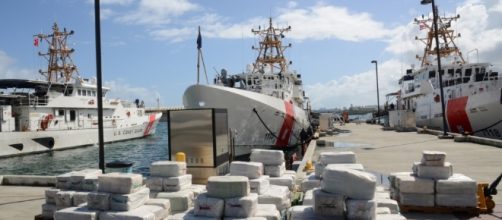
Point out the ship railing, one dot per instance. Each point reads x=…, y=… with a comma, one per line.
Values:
x=56, y=125
x=33, y=101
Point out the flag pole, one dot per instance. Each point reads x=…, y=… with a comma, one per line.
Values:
x=199, y=45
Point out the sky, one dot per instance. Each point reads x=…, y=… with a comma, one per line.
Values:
x=149, y=46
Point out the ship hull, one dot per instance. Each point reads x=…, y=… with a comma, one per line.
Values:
x=29, y=142
x=255, y=120
x=477, y=114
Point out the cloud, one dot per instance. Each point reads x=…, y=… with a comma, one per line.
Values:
x=332, y=22
x=8, y=70
x=157, y=12
x=315, y=23
x=356, y=89
x=121, y=89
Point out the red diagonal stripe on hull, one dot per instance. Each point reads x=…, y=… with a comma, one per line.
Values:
x=150, y=125
x=287, y=126
x=458, y=120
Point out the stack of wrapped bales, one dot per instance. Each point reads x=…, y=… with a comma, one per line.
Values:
x=169, y=180
x=71, y=190
x=229, y=197
x=344, y=193
x=346, y=159
x=432, y=183
x=119, y=196
x=281, y=181
x=274, y=167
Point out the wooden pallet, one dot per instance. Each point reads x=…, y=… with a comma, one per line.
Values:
x=440, y=209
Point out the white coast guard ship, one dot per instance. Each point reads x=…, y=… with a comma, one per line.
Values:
x=61, y=111
x=266, y=105
x=472, y=91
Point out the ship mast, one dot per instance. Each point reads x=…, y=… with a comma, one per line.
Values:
x=60, y=68
x=447, y=46
x=270, y=49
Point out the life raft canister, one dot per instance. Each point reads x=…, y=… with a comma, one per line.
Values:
x=45, y=121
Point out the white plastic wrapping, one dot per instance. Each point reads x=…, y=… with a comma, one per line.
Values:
x=304, y=213
x=140, y=213
x=90, y=183
x=434, y=172
x=284, y=180
x=76, y=213
x=168, y=168
x=64, y=199
x=268, y=211
x=173, y=184
x=390, y=217
x=351, y=183
x=433, y=158
x=227, y=186
x=311, y=182
x=158, y=211
x=126, y=202
x=77, y=178
x=163, y=203
x=259, y=185
x=412, y=184
x=277, y=195
x=308, y=197
x=393, y=178
x=252, y=170
x=155, y=183
x=388, y=203
x=319, y=167
x=63, y=181
x=456, y=184
x=120, y=183
x=382, y=195
x=267, y=157
x=189, y=215
x=414, y=199
x=98, y=201
x=361, y=209
x=50, y=195
x=48, y=210
x=208, y=206
x=197, y=189
x=241, y=207
x=275, y=170
x=337, y=157
x=180, y=201
x=328, y=204
x=457, y=200
x=382, y=210
x=79, y=198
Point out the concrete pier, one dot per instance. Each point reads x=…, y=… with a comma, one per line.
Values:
x=378, y=150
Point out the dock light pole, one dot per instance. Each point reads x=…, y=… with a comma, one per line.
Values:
x=435, y=18
x=378, y=94
x=97, y=27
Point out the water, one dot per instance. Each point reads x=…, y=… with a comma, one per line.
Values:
x=140, y=151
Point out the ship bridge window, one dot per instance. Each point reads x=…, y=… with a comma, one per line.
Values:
x=458, y=71
x=432, y=74
x=68, y=91
x=468, y=72
x=59, y=112
x=79, y=92
x=94, y=93
x=450, y=72
x=84, y=93
x=441, y=72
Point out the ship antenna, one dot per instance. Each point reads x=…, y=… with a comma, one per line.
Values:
x=447, y=48
x=270, y=49
x=60, y=64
